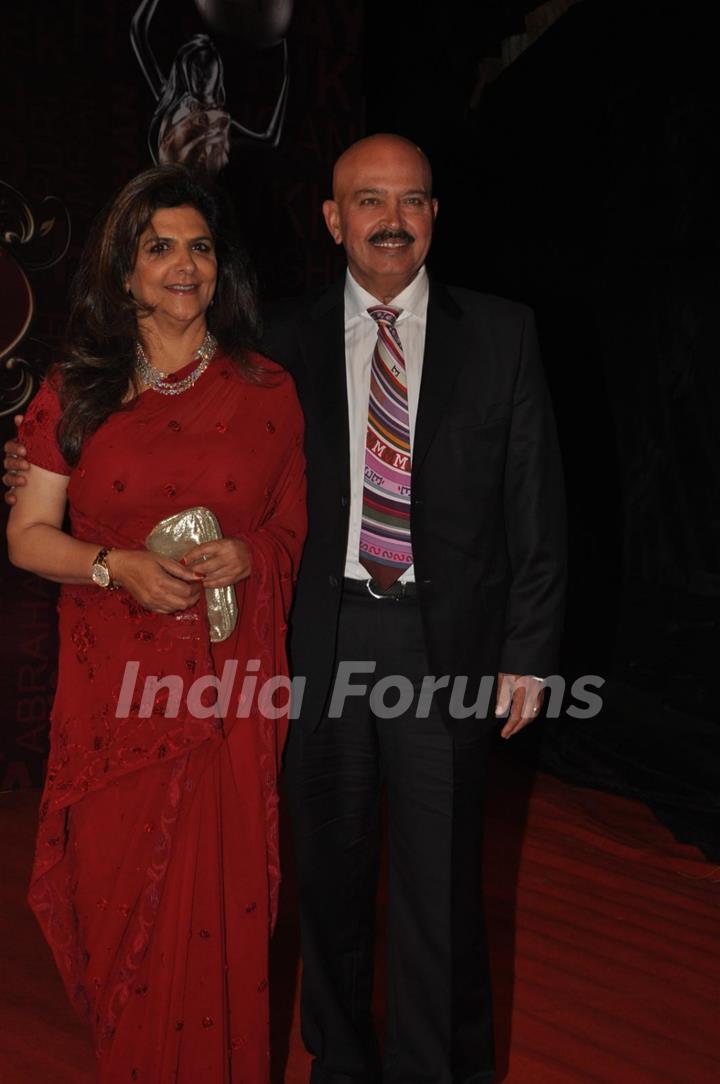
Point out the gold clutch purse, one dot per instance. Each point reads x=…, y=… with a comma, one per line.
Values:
x=173, y=537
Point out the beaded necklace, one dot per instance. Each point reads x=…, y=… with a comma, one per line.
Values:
x=159, y=381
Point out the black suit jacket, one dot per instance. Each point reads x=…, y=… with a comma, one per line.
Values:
x=488, y=512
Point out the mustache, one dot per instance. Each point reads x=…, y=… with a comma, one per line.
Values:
x=391, y=235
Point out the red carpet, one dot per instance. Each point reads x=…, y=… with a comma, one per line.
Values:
x=603, y=930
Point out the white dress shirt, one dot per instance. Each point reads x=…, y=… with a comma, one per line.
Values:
x=360, y=339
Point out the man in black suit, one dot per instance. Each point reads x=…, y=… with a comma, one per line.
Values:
x=400, y=637
x=481, y=596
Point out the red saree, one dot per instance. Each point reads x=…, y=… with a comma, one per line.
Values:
x=156, y=871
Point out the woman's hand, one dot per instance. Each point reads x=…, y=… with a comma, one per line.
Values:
x=158, y=583
x=220, y=563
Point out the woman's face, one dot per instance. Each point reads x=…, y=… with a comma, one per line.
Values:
x=175, y=269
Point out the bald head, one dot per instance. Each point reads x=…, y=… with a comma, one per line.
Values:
x=375, y=149
x=382, y=212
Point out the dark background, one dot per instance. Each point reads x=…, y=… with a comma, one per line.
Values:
x=580, y=181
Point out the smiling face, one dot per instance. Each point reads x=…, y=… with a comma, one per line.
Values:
x=175, y=268
x=382, y=212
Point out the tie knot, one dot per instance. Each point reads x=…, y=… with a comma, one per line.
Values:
x=384, y=315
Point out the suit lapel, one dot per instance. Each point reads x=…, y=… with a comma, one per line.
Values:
x=443, y=358
x=324, y=345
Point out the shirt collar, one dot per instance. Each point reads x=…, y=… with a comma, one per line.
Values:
x=412, y=300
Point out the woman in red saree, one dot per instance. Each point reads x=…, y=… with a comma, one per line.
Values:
x=156, y=872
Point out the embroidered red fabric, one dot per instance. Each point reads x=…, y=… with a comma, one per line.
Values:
x=157, y=868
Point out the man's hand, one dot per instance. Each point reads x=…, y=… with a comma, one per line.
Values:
x=220, y=563
x=523, y=695
x=15, y=464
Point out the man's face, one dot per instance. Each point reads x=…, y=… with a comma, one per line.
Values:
x=383, y=213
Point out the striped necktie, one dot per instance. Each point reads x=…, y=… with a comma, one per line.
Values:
x=385, y=546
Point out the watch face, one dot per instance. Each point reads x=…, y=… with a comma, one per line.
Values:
x=100, y=576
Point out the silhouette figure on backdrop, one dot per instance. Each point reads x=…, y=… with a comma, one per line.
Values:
x=190, y=125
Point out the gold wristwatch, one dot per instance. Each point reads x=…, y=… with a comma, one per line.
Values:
x=100, y=573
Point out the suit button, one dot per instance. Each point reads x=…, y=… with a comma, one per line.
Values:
x=426, y=582
x=418, y=502
x=333, y=581
x=344, y=501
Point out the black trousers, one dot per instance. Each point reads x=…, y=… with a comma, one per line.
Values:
x=438, y=1024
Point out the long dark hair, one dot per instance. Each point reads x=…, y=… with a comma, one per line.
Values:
x=98, y=363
